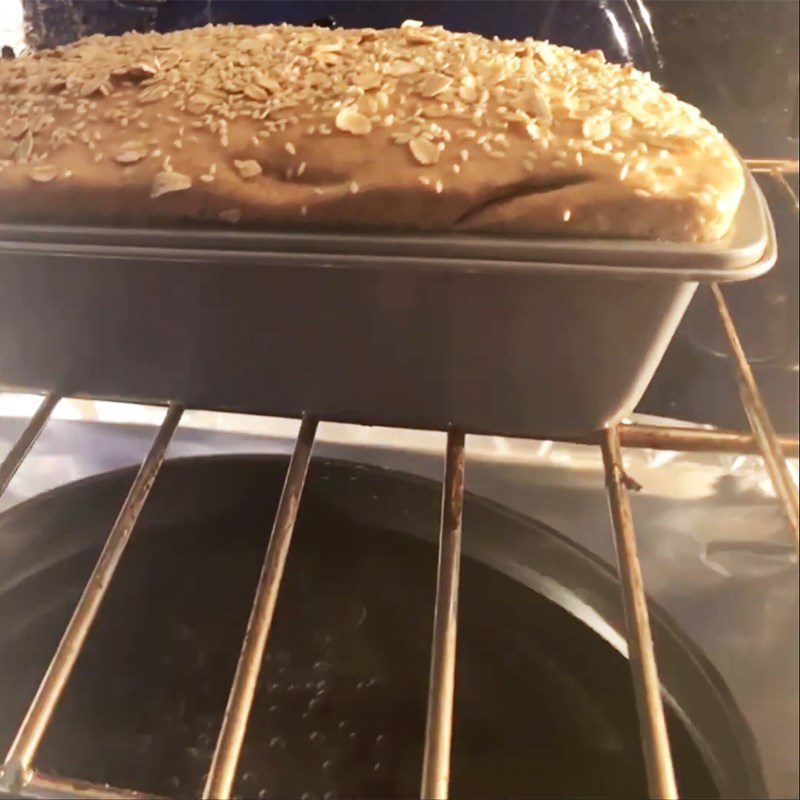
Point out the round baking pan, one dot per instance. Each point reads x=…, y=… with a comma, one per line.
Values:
x=544, y=703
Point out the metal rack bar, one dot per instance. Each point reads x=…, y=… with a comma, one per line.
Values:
x=44, y=786
x=780, y=165
x=688, y=440
x=12, y=462
x=646, y=685
x=16, y=773
x=234, y=724
x=759, y=420
x=19, y=758
x=439, y=725
x=780, y=179
x=777, y=169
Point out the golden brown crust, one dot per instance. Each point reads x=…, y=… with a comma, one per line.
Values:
x=411, y=128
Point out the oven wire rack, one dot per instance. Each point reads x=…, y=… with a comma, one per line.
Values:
x=18, y=775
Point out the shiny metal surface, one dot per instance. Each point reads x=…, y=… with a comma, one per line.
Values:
x=746, y=252
x=759, y=420
x=234, y=725
x=780, y=178
x=778, y=169
x=773, y=165
x=646, y=684
x=13, y=460
x=54, y=787
x=439, y=725
x=559, y=484
x=16, y=770
x=691, y=439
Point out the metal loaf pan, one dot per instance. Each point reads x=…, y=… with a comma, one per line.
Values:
x=515, y=337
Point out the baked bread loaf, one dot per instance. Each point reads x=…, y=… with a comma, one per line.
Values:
x=412, y=128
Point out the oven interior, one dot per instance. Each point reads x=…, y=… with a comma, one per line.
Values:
x=544, y=704
x=543, y=708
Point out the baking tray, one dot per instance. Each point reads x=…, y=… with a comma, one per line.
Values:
x=497, y=335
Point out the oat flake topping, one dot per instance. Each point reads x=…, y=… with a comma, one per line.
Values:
x=456, y=107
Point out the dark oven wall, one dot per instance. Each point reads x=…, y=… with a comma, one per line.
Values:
x=738, y=61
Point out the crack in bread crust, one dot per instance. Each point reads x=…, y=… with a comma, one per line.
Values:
x=522, y=189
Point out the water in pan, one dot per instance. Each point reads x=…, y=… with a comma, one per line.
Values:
x=544, y=707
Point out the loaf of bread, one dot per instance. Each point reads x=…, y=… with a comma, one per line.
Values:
x=412, y=128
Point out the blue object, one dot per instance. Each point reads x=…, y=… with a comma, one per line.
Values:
x=621, y=28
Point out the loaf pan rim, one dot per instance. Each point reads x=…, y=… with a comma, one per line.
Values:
x=755, y=253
